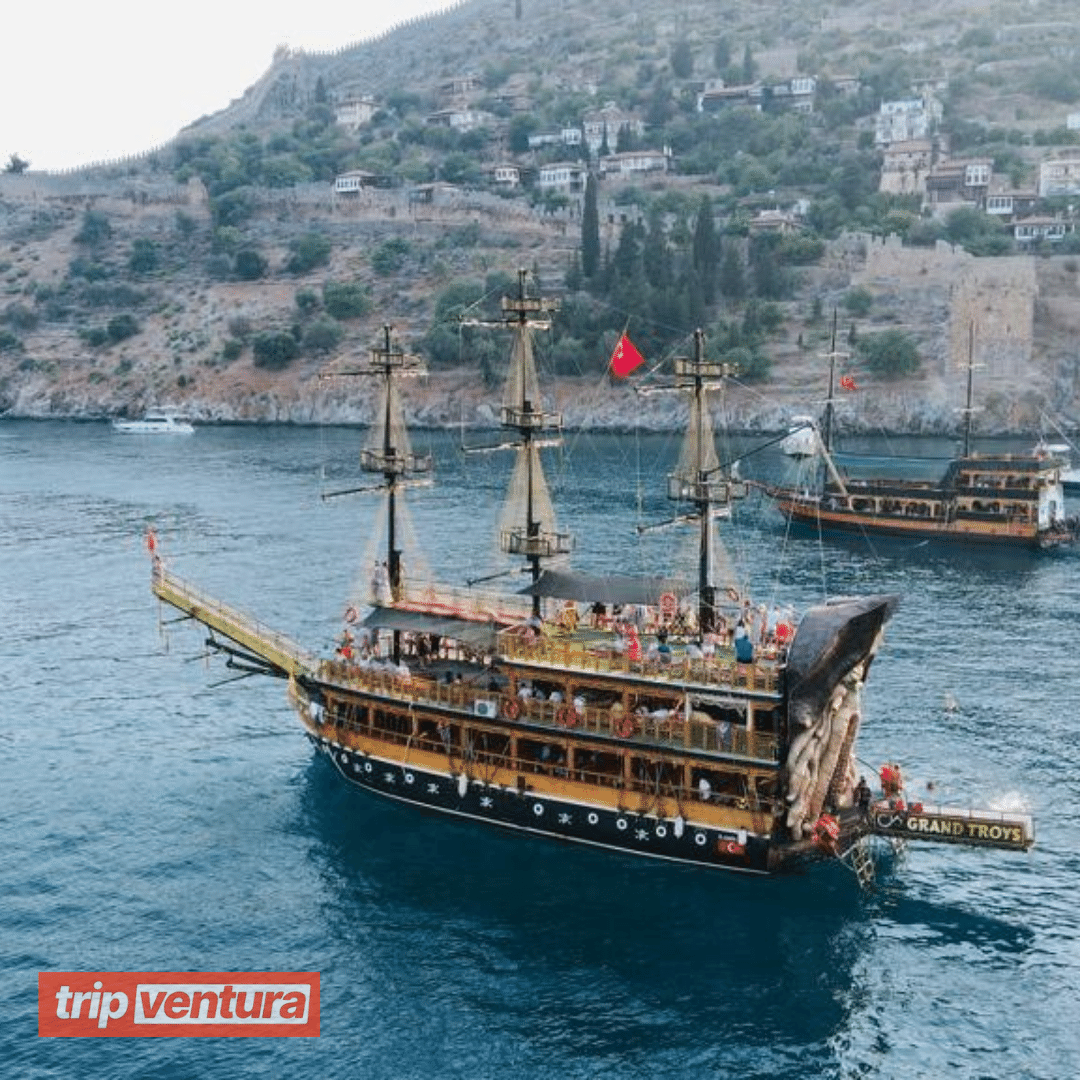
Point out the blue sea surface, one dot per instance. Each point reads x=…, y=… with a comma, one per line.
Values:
x=156, y=816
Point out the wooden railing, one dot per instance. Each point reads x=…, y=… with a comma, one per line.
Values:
x=276, y=649
x=721, y=671
x=671, y=731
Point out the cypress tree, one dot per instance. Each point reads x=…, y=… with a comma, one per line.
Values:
x=705, y=251
x=590, y=231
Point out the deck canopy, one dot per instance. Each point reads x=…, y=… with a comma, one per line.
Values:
x=609, y=589
x=478, y=635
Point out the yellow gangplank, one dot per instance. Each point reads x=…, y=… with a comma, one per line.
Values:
x=277, y=650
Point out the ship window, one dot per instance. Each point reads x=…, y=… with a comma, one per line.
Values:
x=492, y=749
x=767, y=720
x=720, y=786
x=542, y=756
x=656, y=777
x=391, y=724
x=597, y=767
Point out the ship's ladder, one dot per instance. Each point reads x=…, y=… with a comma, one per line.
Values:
x=861, y=861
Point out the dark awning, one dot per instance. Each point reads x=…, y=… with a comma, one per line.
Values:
x=609, y=589
x=479, y=635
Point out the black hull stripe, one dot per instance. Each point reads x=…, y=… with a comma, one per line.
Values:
x=702, y=853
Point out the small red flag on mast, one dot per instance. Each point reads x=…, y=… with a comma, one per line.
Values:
x=625, y=358
x=848, y=382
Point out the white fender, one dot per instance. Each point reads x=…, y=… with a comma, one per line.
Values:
x=680, y=826
x=462, y=784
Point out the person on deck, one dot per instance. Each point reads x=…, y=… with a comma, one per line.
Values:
x=744, y=647
x=862, y=796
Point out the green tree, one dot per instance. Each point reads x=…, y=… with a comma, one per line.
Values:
x=389, y=257
x=722, y=55
x=144, y=256
x=890, y=354
x=682, y=59
x=121, y=327
x=732, y=278
x=521, y=127
x=16, y=165
x=590, y=230
x=706, y=250
x=307, y=302
x=95, y=229
x=858, y=301
x=275, y=349
x=250, y=265
x=345, y=299
x=322, y=336
x=749, y=66
x=307, y=252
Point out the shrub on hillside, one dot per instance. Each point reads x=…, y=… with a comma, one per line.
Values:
x=308, y=252
x=890, y=354
x=275, y=349
x=345, y=299
x=121, y=327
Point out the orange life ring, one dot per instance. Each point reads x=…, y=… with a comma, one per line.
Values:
x=350, y=614
x=623, y=724
x=511, y=709
x=566, y=716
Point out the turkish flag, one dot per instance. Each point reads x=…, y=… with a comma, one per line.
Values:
x=848, y=382
x=625, y=357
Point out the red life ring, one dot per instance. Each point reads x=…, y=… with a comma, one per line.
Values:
x=350, y=614
x=669, y=605
x=623, y=724
x=566, y=716
x=511, y=709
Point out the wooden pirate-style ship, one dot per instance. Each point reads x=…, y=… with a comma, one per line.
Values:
x=652, y=716
x=1004, y=500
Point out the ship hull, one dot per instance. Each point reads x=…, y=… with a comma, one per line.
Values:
x=809, y=516
x=624, y=830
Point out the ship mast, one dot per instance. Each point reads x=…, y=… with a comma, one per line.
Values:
x=699, y=478
x=528, y=526
x=389, y=453
x=967, y=408
x=828, y=423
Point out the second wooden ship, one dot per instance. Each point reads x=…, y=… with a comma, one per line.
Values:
x=1001, y=500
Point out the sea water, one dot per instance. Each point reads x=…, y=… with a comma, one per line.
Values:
x=159, y=814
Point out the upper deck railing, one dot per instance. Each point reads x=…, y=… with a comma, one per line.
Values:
x=720, y=671
x=666, y=728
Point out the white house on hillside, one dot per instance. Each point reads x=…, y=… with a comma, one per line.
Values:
x=635, y=161
x=562, y=176
x=354, y=113
x=1059, y=177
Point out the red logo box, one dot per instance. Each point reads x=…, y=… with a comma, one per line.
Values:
x=147, y=1004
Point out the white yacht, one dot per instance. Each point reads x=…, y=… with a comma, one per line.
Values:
x=801, y=439
x=155, y=423
x=1070, y=471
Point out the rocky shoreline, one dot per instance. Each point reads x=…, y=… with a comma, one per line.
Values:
x=448, y=401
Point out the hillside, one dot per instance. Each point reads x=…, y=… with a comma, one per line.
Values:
x=151, y=281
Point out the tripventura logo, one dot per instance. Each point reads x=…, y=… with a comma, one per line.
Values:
x=153, y=1003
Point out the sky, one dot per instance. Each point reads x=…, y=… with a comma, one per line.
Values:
x=87, y=82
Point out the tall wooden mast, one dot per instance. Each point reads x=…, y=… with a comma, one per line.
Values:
x=529, y=530
x=699, y=478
